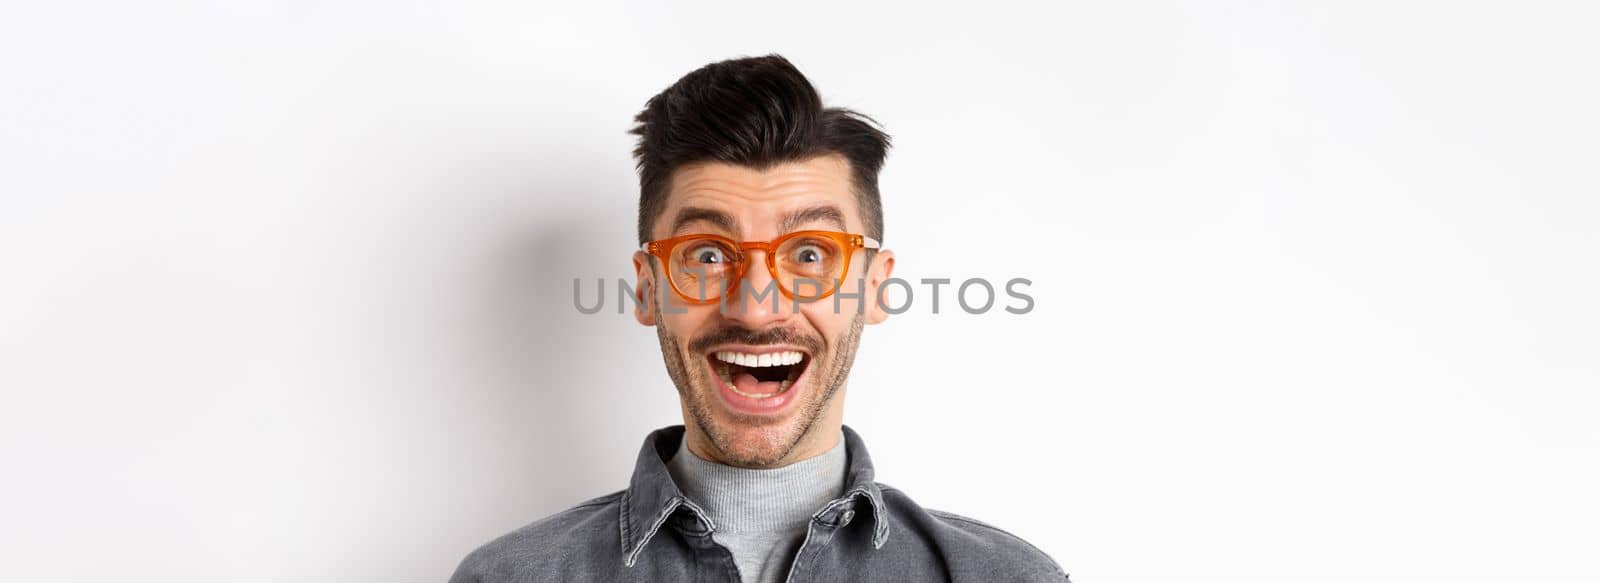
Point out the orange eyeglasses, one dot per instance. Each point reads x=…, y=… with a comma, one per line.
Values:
x=700, y=268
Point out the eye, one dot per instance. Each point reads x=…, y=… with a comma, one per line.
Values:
x=710, y=254
x=809, y=254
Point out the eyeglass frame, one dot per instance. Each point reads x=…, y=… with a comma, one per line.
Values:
x=662, y=249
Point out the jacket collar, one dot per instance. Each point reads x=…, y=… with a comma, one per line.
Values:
x=652, y=498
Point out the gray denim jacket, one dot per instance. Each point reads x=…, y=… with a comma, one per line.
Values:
x=651, y=532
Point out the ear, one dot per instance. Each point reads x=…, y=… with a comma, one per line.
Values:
x=880, y=271
x=644, y=293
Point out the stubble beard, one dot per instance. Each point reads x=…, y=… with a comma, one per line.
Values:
x=765, y=442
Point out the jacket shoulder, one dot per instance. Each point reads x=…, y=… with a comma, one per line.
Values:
x=974, y=547
x=555, y=544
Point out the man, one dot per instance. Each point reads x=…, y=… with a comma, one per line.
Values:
x=759, y=220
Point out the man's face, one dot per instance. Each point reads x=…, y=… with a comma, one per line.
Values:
x=761, y=416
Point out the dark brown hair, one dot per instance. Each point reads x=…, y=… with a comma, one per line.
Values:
x=754, y=112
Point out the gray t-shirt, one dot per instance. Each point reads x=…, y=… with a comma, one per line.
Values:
x=760, y=515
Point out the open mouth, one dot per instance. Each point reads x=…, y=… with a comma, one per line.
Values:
x=759, y=376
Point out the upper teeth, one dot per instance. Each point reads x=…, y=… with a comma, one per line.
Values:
x=769, y=359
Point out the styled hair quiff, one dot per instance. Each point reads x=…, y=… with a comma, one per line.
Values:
x=754, y=112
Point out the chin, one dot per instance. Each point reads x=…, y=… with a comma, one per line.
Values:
x=753, y=440
x=754, y=446
x=756, y=402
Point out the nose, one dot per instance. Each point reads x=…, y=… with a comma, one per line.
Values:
x=756, y=302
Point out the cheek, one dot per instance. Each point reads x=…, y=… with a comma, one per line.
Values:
x=853, y=298
x=828, y=322
x=687, y=324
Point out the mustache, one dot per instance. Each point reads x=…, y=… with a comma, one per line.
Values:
x=742, y=335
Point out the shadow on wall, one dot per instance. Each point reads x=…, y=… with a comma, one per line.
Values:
x=558, y=414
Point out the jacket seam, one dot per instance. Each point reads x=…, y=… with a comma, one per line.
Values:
x=625, y=523
x=601, y=501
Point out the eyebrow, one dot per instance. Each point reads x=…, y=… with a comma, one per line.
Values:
x=793, y=220
x=717, y=218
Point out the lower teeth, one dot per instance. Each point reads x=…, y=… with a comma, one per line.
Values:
x=727, y=379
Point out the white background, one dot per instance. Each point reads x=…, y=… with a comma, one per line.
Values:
x=287, y=287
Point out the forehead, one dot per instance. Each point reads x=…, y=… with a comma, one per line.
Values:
x=757, y=199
